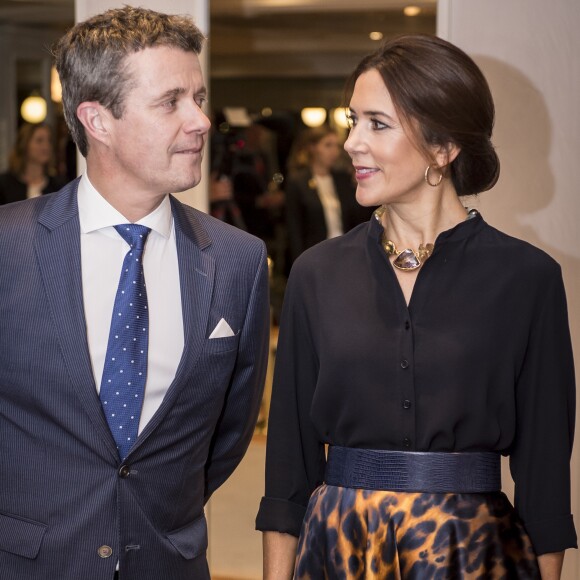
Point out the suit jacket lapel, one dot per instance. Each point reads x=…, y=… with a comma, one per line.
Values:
x=57, y=246
x=196, y=277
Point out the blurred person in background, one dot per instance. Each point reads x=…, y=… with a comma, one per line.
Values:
x=30, y=170
x=320, y=198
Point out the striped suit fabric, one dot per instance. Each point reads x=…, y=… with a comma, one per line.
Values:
x=64, y=495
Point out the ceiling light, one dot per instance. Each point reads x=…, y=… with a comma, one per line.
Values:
x=411, y=10
x=55, y=86
x=313, y=116
x=33, y=109
x=376, y=35
x=339, y=117
x=237, y=116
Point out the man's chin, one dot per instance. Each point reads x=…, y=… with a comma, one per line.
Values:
x=186, y=184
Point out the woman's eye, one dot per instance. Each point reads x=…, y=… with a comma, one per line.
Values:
x=377, y=125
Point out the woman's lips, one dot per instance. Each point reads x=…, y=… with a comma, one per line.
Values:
x=362, y=173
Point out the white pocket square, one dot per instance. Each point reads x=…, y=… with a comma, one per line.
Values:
x=222, y=330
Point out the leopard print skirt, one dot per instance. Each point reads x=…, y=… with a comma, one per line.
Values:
x=355, y=534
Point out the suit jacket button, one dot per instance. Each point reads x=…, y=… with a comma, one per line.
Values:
x=105, y=551
x=124, y=471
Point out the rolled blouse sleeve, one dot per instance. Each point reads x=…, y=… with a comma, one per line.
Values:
x=545, y=411
x=295, y=458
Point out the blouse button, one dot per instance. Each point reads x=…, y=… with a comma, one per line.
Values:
x=406, y=404
x=407, y=325
x=404, y=363
x=406, y=442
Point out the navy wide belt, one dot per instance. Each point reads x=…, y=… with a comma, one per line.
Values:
x=411, y=471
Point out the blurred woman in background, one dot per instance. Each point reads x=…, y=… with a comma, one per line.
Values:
x=320, y=199
x=30, y=170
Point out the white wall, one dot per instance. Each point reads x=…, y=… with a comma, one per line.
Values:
x=199, y=11
x=528, y=50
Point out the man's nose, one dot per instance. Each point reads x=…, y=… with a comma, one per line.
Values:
x=197, y=120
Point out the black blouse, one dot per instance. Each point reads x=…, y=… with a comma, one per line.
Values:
x=480, y=360
x=12, y=189
x=305, y=219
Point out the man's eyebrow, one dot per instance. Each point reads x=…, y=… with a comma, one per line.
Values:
x=176, y=92
x=171, y=93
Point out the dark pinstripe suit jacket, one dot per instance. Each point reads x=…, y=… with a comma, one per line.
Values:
x=63, y=492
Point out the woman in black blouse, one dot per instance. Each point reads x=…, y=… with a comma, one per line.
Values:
x=30, y=172
x=320, y=199
x=420, y=347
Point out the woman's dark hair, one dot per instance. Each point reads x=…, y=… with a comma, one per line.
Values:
x=442, y=97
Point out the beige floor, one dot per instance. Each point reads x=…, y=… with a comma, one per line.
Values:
x=235, y=548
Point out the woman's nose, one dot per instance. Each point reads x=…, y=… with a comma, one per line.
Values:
x=352, y=142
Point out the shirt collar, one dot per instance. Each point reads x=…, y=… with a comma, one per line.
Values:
x=96, y=213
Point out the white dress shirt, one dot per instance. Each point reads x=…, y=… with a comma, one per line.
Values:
x=102, y=253
x=330, y=205
x=35, y=190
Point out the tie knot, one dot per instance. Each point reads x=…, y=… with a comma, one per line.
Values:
x=134, y=234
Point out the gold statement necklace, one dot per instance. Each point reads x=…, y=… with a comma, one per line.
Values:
x=408, y=259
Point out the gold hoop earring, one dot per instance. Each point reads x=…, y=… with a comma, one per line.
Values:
x=427, y=175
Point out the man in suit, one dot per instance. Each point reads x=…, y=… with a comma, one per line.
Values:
x=133, y=329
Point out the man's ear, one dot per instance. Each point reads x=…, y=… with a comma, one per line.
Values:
x=94, y=118
x=446, y=154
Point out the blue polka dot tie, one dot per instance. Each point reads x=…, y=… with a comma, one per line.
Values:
x=125, y=370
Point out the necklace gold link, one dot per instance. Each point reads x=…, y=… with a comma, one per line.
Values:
x=408, y=259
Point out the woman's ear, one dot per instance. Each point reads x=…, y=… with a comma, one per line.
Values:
x=446, y=154
x=94, y=118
